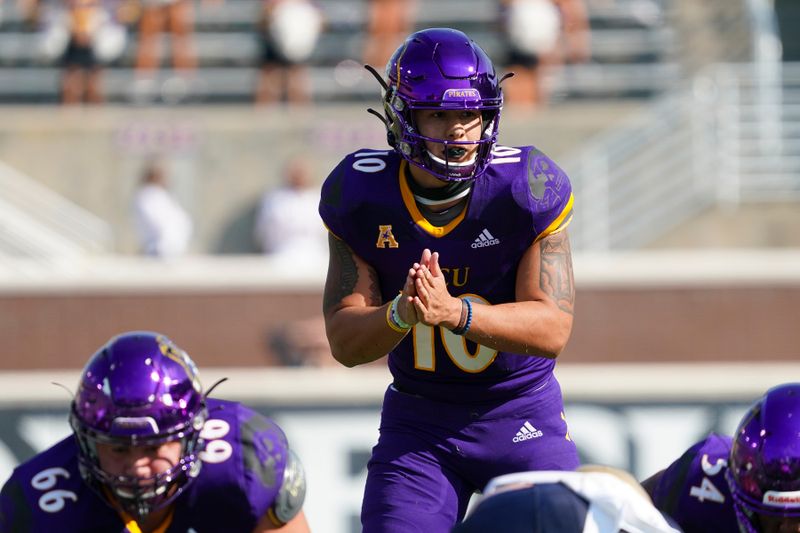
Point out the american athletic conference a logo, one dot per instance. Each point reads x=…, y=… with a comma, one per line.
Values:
x=385, y=237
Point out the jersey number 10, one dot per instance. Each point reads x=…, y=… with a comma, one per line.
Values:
x=454, y=345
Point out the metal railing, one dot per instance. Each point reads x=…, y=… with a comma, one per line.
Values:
x=37, y=222
x=732, y=137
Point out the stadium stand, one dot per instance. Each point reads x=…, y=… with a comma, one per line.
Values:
x=632, y=52
x=660, y=48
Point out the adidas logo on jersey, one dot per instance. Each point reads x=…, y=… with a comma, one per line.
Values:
x=527, y=432
x=485, y=239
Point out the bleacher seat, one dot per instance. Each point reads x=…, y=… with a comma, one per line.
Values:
x=631, y=45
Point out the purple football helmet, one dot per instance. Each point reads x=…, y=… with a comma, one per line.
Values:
x=764, y=467
x=139, y=389
x=441, y=68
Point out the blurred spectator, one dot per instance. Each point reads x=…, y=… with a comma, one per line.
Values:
x=287, y=224
x=81, y=74
x=84, y=35
x=156, y=17
x=388, y=24
x=302, y=343
x=163, y=226
x=541, y=34
x=289, y=31
x=29, y=9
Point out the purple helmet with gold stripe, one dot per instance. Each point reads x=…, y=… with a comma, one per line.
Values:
x=139, y=389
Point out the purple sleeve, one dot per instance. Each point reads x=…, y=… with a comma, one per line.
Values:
x=332, y=204
x=276, y=478
x=12, y=505
x=550, y=194
x=46, y=493
x=693, y=490
x=265, y=451
x=243, y=470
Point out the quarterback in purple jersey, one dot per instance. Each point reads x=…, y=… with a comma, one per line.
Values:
x=749, y=483
x=151, y=453
x=449, y=253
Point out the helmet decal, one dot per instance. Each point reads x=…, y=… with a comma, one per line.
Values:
x=168, y=349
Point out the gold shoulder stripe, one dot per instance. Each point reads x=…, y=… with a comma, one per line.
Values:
x=561, y=221
x=331, y=231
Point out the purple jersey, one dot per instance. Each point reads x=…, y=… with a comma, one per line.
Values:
x=693, y=490
x=523, y=196
x=242, y=475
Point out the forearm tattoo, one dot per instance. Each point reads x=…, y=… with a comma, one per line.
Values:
x=342, y=273
x=374, y=288
x=556, y=278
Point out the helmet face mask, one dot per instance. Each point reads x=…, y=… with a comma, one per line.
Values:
x=441, y=69
x=139, y=390
x=764, y=466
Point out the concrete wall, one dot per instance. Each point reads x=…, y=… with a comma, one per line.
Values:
x=220, y=159
x=647, y=307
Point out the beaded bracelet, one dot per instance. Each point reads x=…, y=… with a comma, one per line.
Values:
x=466, y=318
x=393, y=317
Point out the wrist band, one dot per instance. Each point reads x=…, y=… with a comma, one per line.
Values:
x=462, y=321
x=393, y=317
x=391, y=324
x=396, y=314
x=466, y=318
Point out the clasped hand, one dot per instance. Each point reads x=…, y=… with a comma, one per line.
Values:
x=425, y=297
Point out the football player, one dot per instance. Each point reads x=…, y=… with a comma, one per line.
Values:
x=749, y=483
x=596, y=498
x=449, y=253
x=152, y=453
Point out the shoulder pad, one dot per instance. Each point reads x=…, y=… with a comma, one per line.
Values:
x=292, y=493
